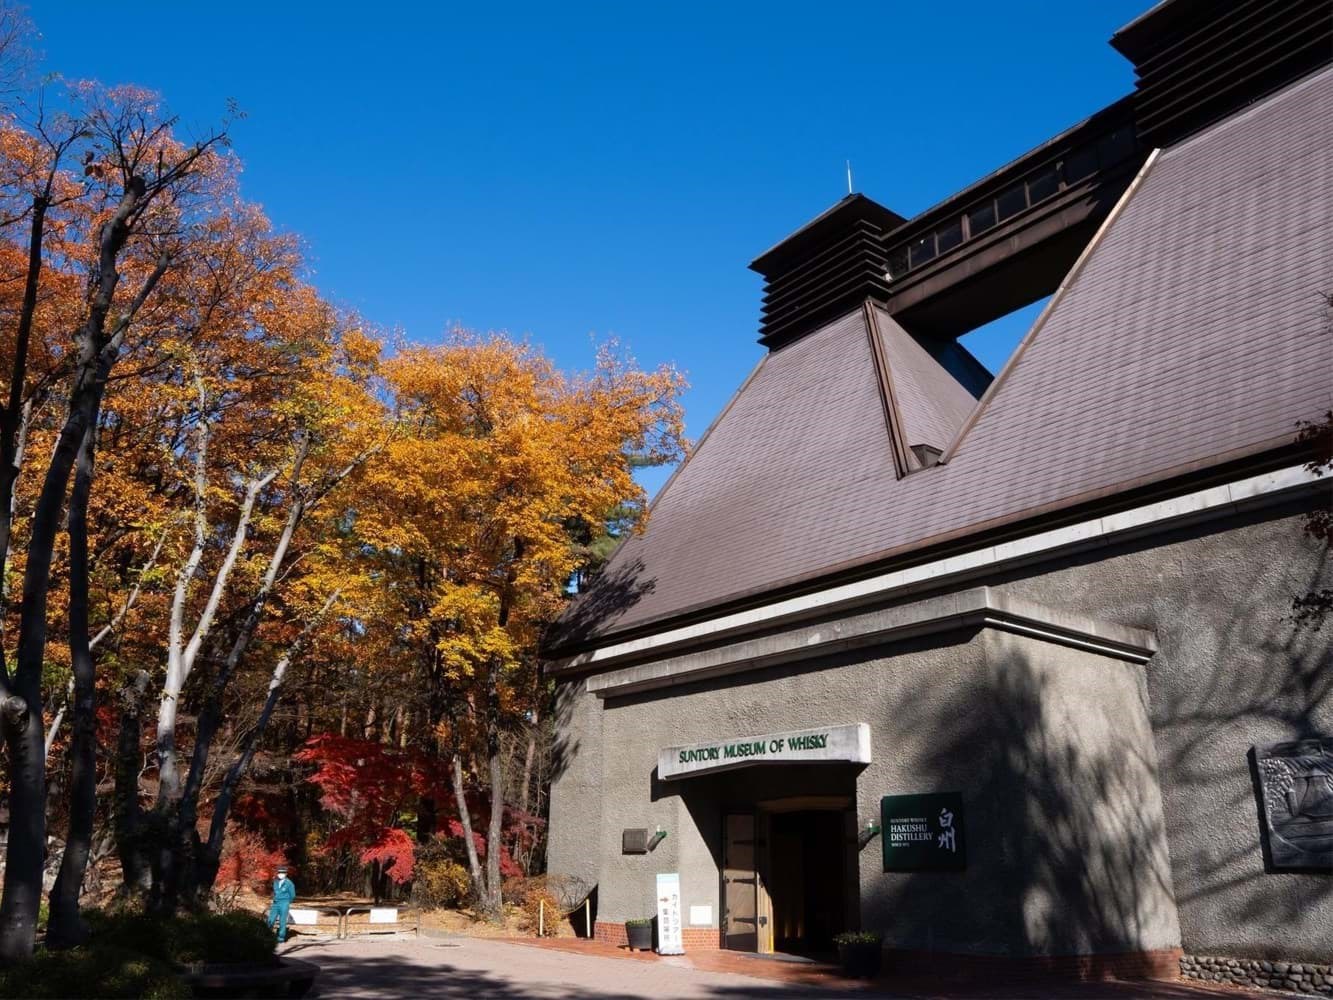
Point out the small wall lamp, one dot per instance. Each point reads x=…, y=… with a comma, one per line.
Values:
x=868, y=833
x=658, y=836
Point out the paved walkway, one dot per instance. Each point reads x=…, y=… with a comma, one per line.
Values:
x=457, y=967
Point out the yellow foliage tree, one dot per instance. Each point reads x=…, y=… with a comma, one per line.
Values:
x=480, y=514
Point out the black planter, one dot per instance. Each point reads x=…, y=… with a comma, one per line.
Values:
x=640, y=936
x=860, y=961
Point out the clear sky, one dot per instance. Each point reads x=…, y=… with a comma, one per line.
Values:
x=569, y=171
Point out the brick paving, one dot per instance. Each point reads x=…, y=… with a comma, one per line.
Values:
x=456, y=967
x=817, y=979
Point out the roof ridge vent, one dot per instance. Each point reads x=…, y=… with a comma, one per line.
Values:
x=825, y=269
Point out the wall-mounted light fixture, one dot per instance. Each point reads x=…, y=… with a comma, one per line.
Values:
x=868, y=833
x=658, y=836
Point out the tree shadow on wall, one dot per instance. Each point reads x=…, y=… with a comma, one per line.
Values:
x=1065, y=841
x=610, y=595
x=1234, y=670
x=1266, y=678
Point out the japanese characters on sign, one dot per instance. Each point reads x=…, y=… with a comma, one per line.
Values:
x=923, y=832
x=670, y=941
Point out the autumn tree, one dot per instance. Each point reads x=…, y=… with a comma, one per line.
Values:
x=322, y=425
x=140, y=185
x=506, y=468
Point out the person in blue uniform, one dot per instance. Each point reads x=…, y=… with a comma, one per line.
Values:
x=284, y=892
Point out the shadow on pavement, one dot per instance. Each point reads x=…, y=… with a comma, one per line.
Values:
x=423, y=968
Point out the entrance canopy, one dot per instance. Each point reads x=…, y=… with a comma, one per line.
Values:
x=848, y=744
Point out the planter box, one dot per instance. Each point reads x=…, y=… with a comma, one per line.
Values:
x=640, y=936
x=861, y=961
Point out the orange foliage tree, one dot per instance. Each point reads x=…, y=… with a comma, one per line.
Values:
x=217, y=492
x=505, y=468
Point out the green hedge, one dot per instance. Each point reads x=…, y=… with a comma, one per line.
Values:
x=237, y=936
x=139, y=955
x=92, y=971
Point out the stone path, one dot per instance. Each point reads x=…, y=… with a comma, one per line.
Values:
x=457, y=967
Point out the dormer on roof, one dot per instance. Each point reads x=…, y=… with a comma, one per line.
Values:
x=825, y=269
x=925, y=405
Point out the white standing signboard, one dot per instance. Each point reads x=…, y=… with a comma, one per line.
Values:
x=669, y=938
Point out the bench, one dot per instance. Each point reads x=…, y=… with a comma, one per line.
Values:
x=307, y=920
x=380, y=920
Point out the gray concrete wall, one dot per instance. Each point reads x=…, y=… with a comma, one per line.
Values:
x=1052, y=751
x=576, y=785
x=1078, y=867
x=1233, y=670
x=986, y=714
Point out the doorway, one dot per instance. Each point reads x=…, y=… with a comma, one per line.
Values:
x=806, y=879
x=789, y=875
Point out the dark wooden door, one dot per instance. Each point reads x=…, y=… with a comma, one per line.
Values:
x=740, y=882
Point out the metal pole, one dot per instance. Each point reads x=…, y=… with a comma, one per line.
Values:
x=541, y=918
x=587, y=915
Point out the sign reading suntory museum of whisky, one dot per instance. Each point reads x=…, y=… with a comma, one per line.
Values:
x=848, y=744
x=923, y=832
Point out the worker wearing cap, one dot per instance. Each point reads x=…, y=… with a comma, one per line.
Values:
x=284, y=893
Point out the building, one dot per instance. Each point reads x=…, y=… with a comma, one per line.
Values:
x=1006, y=669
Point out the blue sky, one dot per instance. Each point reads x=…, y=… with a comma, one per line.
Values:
x=573, y=171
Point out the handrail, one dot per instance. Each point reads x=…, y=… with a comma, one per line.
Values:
x=398, y=923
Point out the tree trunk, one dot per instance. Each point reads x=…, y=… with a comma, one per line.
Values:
x=21, y=708
x=473, y=862
x=27, y=748
x=523, y=789
x=95, y=352
x=426, y=819
x=14, y=416
x=66, y=929
x=129, y=819
x=25, y=853
x=495, y=903
x=205, y=870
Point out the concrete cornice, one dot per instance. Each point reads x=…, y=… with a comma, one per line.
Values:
x=977, y=564
x=980, y=607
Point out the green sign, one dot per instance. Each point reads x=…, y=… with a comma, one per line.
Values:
x=923, y=833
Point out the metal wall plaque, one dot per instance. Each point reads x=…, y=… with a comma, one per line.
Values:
x=923, y=833
x=1296, y=780
x=634, y=841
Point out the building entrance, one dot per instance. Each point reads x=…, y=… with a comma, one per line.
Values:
x=789, y=874
x=807, y=879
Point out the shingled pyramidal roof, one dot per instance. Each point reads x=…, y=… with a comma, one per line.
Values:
x=1191, y=334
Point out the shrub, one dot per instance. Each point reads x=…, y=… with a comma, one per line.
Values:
x=94, y=970
x=639, y=922
x=439, y=878
x=440, y=883
x=237, y=936
x=858, y=939
x=536, y=897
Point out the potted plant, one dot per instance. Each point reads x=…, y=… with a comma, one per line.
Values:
x=860, y=953
x=640, y=933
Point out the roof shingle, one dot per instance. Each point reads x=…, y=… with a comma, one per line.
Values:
x=1195, y=329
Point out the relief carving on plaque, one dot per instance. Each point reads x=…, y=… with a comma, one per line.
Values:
x=1296, y=780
